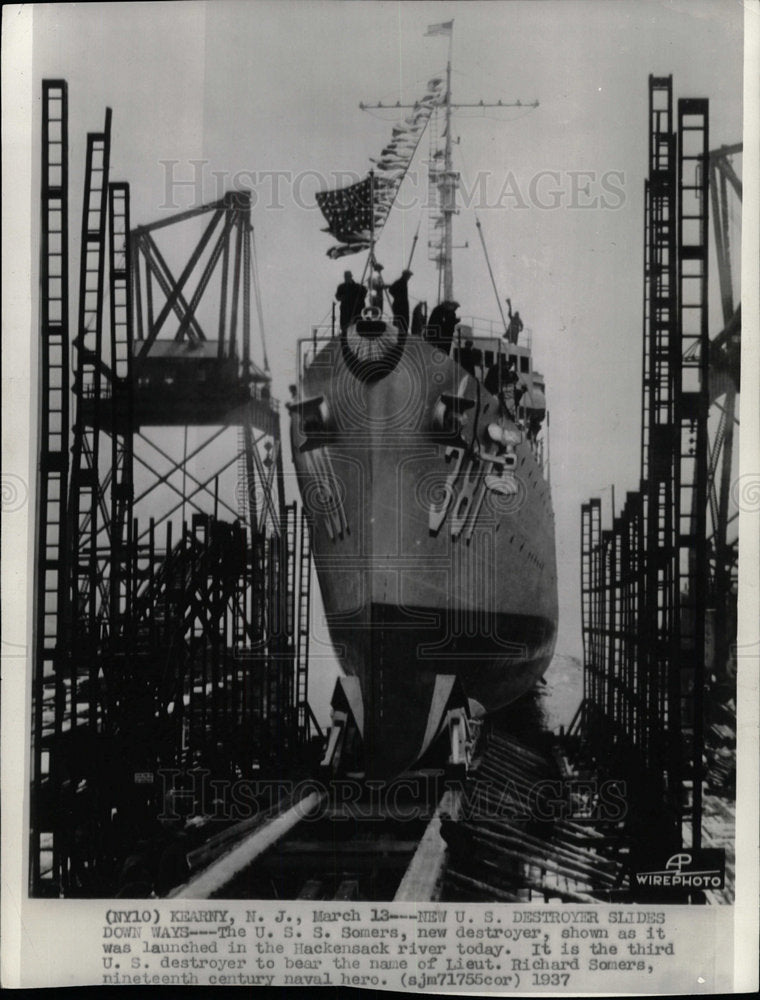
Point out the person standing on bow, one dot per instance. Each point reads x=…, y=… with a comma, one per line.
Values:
x=515, y=327
x=419, y=319
x=351, y=296
x=399, y=292
x=441, y=326
x=378, y=287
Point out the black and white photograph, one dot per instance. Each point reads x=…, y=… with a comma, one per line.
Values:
x=380, y=534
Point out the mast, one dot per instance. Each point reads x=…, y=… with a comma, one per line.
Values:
x=449, y=178
x=449, y=192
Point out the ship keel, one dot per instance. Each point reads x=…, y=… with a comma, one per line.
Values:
x=399, y=667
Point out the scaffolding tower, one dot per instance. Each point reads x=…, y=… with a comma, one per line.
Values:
x=169, y=563
x=51, y=583
x=660, y=580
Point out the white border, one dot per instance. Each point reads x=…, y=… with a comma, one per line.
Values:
x=748, y=638
x=19, y=459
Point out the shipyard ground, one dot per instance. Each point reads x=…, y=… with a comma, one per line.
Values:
x=530, y=822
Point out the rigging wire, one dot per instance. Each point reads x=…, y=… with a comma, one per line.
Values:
x=376, y=231
x=414, y=245
x=490, y=271
x=406, y=170
x=517, y=113
x=397, y=109
x=257, y=296
x=483, y=244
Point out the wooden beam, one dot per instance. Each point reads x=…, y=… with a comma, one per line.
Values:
x=384, y=845
x=422, y=881
x=221, y=872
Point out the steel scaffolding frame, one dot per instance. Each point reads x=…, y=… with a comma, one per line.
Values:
x=86, y=490
x=692, y=406
x=725, y=351
x=50, y=657
x=122, y=416
x=660, y=362
x=645, y=582
x=166, y=632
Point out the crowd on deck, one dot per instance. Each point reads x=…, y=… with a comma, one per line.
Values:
x=501, y=379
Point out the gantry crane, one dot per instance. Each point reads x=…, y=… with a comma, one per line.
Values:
x=172, y=586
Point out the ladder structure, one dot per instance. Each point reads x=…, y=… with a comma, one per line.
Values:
x=591, y=518
x=121, y=419
x=692, y=406
x=166, y=556
x=659, y=618
x=85, y=493
x=50, y=655
x=645, y=583
x=303, y=627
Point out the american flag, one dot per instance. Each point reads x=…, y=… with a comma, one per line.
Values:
x=444, y=28
x=341, y=249
x=348, y=210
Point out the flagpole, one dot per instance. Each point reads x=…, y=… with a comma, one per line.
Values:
x=414, y=245
x=371, y=219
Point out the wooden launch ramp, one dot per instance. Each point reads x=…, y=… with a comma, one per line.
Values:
x=500, y=835
x=511, y=840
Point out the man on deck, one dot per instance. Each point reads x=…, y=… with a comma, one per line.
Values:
x=501, y=380
x=399, y=292
x=419, y=319
x=377, y=287
x=469, y=357
x=351, y=296
x=443, y=321
x=515, y=327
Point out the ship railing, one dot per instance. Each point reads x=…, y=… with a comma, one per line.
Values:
x=308, y=347
x=482, y=327
x=493, y=329
x=478, y=326
x=262, y=394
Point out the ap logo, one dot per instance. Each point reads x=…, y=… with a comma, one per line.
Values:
x=677, y=862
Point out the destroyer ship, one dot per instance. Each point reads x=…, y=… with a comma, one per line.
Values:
x=420, y=449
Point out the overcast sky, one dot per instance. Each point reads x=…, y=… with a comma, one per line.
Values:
x=252, y=88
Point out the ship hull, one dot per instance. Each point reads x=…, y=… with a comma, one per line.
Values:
x=423, y=570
